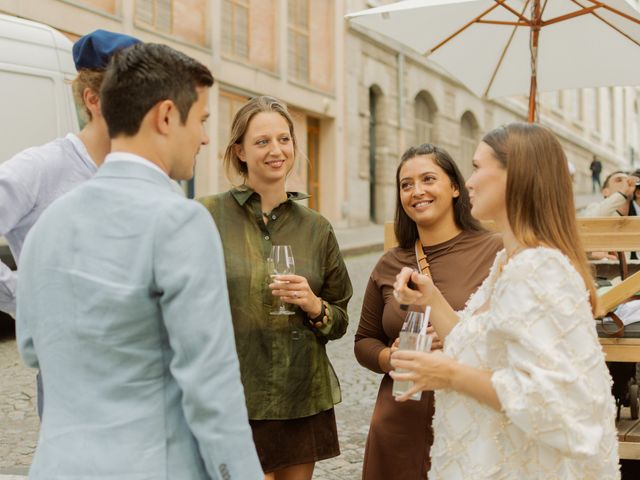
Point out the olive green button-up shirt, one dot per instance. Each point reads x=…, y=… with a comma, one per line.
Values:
x=283, y=363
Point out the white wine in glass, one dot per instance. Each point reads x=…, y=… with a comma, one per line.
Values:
x=280, y=262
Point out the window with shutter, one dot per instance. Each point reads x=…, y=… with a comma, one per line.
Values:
x=298, y=36
x=144, y=11
x=235, y=28
x=184, y=19
x=109, y=6
x=163, y=15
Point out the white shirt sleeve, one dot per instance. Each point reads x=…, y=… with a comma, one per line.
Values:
x=606, y=208
x=8, y=285
x=554, y=385
x=19, y=184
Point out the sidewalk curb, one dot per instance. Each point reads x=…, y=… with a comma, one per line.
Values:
x=355, y=250
x=358, y=240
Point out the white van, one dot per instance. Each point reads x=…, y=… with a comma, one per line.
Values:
x=36, y=68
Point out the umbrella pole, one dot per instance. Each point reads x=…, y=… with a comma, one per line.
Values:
x=532, y=100
x=536, y=21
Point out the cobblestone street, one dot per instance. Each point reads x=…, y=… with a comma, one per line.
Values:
x=19, y=423
x=18, y=418
x=359, y=386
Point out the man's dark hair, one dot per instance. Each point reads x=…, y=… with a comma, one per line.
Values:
x=140, y=76
x=406, y=229
x=605, y=184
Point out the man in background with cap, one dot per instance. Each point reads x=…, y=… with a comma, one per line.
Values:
x=123, y=302
x=32, y=179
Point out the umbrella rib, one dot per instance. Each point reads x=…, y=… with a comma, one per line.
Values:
x=606, y=22
x=544, y=7
x=515, y=12
x=475, y=20
x=586, y=10
x=499, y=22
x=504, y=51
x=612, y=10
x=569, y=16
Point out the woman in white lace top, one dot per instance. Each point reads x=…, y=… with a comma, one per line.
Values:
x=522, y=390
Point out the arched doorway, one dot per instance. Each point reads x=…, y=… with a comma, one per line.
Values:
x=424, y=111
x=468, y=142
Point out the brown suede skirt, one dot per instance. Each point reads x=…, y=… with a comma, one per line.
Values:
x=283, y=443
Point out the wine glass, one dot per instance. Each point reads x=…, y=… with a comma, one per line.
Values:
x=280, y=262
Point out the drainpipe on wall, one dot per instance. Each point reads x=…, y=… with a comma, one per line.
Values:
x=400, y=73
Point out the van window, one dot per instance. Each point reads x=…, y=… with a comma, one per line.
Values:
x=28, y=112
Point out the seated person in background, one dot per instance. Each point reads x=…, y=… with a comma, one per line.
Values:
x=621, y=197
x=634, y=206
x=617, y=191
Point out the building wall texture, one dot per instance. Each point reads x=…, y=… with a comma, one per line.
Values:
x=363, y=98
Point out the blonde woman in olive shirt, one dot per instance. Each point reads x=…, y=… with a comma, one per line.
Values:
x=289, y=383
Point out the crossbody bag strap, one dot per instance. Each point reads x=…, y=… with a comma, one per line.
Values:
x=618, y=331
x=619, y=324
x=421, y=258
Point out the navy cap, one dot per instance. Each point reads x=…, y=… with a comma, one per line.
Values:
x=94, y=50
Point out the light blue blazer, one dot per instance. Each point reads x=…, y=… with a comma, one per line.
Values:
x=123, y=305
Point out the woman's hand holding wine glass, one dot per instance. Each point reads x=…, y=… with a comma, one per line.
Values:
x=288, y=287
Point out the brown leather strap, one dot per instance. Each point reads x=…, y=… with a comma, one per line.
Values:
x=423, y=265
x=619, y=331
x=624, y=269
x=421, y=258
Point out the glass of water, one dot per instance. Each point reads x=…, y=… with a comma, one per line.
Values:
x=413, y=336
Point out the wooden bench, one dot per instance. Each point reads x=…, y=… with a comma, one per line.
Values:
x=614, y=234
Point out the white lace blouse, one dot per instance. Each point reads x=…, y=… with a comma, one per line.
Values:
x=539, y=339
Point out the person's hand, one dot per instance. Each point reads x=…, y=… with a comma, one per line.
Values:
x=395, y=345
x=427, y=371
x=384, y=357
x=295, y=289
x=628, y=187
x=408, y=296
x=436, y=343
x=602, y=256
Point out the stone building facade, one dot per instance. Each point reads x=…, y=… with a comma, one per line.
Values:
x=397, y=98
x=358, y=99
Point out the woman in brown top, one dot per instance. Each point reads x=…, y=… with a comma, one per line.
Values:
x=432, y=206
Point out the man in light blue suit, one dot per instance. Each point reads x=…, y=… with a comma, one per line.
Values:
x=122, y=299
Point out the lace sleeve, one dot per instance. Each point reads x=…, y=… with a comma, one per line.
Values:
x=553, y=383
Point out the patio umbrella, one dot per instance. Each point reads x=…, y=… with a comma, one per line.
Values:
x=513, y=47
